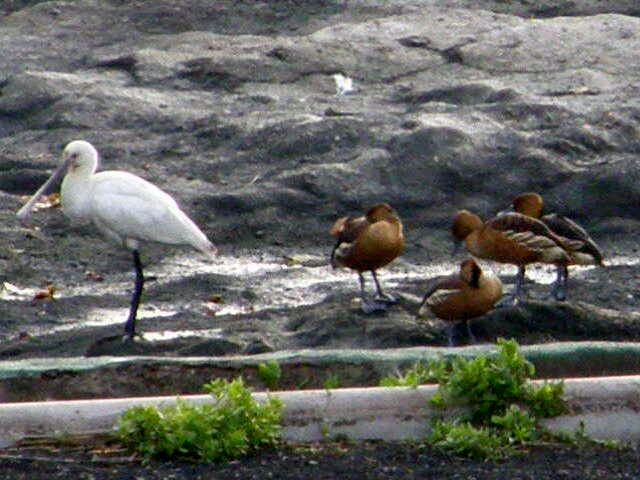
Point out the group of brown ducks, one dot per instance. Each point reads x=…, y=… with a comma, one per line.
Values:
x=520, y=236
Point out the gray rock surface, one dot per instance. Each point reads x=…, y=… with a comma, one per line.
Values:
x=231, y=107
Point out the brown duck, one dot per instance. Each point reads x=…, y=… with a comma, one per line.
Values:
x=531, y=204
x=513, y=238
x=461, y=297
x=367, y=243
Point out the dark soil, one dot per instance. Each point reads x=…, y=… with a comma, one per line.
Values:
x=372, y=460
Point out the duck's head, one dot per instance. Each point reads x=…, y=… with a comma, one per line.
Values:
x=381, y=211
x=464, y=223
x=470, y=272
x=529, y=204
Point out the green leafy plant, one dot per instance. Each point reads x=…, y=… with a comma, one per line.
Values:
x=270, y=374
x=497, y=406
x=419, y=374
x=486, y=386
x=516, y=425
x=546, y=400
x=233, y=425
x=466, y=440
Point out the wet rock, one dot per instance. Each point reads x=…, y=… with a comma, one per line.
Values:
x=543, y=321
x=216, y=347
x=536, y=122
x=117, y=345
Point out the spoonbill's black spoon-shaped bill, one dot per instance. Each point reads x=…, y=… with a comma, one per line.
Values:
x=123, y=207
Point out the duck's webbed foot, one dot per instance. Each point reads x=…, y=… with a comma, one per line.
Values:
x=559, y=289
x=380, y=295
x=373, y=305
x=558, y=292
x=508, y=300
x=379, y=303
x=386, y=299
x=518, y=294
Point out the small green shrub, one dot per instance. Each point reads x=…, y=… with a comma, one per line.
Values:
x=270, y=374
x=233, y=425
x=487, y=386
x=499, y=406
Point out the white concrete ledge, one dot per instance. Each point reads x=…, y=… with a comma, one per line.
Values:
x=608, y=407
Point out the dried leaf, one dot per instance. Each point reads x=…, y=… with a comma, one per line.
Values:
x=215, y=298
x=48, y=201
x=95, y=276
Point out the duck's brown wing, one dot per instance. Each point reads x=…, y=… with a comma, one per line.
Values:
x=518, y=223
x=441, y=289
x=530, y=232
x=567, y=228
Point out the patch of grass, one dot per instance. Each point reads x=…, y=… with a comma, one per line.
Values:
x=233, y=425
x=331, y=381
x=580, y=438
x=270, y=374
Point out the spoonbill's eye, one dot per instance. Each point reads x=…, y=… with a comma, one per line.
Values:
x=75, y=160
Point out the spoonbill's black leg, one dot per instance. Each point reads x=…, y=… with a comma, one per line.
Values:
x=130, y=326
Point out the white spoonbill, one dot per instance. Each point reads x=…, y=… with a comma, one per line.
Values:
x=123, y=207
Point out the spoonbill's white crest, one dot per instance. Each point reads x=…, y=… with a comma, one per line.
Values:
x=123, y=207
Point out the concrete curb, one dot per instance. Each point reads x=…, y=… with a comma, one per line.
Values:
x=608, y=407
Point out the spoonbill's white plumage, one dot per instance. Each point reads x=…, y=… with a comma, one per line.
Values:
x=123, y=207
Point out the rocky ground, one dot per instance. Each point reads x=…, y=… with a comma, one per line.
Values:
x=284, y=305
x=232, y=108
